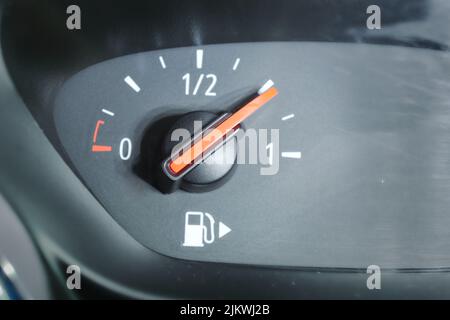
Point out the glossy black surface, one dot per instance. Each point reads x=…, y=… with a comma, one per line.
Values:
x=46, y=53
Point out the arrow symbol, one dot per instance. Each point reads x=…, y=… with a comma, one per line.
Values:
x=223, y=229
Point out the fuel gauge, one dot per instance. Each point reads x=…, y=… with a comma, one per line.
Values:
x=285, y=144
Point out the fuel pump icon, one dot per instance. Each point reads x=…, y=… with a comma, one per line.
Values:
x=196, y=231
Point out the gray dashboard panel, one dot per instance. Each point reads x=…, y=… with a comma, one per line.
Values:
x=371, y=123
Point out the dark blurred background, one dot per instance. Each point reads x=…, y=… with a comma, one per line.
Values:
x=41, y=52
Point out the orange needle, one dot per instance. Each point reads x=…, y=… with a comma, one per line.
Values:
x=209, y=140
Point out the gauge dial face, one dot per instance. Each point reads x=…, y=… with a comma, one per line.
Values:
x=328, y=179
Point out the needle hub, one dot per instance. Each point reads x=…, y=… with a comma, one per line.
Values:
x=213, y=171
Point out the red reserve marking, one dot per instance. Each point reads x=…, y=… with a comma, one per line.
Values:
x=95, y=147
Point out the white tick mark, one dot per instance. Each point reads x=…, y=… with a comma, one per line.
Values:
x=266, y=86
x=109, y=113
x=132, y=84
x=199, y=58
x=161, y=60
x=236, y=64
x=289, y=116
x=291, y=155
